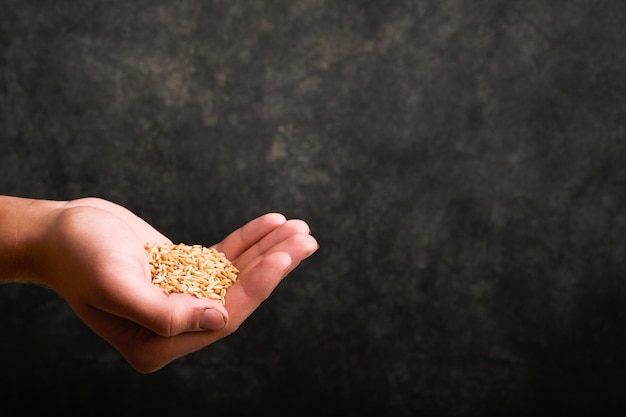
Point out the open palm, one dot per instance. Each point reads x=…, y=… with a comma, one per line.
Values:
x=96, y=261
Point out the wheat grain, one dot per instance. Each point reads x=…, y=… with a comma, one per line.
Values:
x=191, y=269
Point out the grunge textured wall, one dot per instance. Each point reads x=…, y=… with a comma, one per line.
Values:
x=462, y=165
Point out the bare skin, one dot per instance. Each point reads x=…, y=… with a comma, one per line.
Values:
x=91, y=251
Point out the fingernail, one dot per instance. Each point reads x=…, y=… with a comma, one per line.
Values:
x=212, y=320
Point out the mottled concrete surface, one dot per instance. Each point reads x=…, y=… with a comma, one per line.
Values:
x=462, y=165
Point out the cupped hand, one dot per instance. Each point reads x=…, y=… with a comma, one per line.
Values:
x=96, y=260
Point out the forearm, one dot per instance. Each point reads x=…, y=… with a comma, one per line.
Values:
x=22, y=232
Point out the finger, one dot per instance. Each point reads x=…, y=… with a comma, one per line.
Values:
x=241, y=239
x=299, y=247
x=168, y=314
x=277, y=237
x=181, y=313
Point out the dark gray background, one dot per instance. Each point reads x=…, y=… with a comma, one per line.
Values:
x=460, y=163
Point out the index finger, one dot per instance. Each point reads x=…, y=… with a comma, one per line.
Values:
x=249, y=235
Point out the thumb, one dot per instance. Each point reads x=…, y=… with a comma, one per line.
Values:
x=175, y=313
x=180, y=313
x=164, y=314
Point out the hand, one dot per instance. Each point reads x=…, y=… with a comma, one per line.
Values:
x=95, y=259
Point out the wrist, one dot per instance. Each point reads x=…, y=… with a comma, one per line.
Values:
x=22, y=238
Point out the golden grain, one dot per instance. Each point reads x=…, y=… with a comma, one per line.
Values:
x=191, y=269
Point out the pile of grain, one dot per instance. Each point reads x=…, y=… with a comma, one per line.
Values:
x=197, y=270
